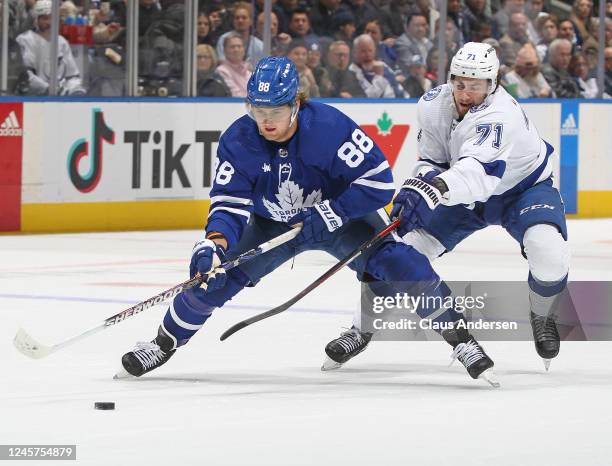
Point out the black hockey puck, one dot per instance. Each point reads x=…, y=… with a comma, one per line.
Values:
x=104, y=405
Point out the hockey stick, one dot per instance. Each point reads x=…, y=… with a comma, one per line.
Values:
x=283, y=307
x=35, y=350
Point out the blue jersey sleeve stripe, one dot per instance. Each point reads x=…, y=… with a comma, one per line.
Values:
x=496, y=168
x=443, y=166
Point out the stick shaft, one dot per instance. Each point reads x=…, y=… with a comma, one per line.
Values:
x=37, y=350
x=286, y=305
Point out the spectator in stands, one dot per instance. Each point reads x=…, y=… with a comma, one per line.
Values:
x=608, y=75
x=344, y=26
x=556, y=71
x=502, y=17
x=548, y=28
x=67, y=8
x=481, y=31
x=416, y=84
x=219, y=21
x=204, y=29
x=344, y=81
x=209, y=82
x=385, y=47
x=432, y=61
x=514, y=39
x=298, y=54
x=567, y=31
x=394, y=16
x=525, y=80
x=363, y=12
x=234, y=69
x=318, y=71
x=533, y=10
x=453, y=38
x=375, y=80
x=148, y=13
x=579, y=69
x=455, y=13
x=35, y=48
x=474, y=14
x=280, y=42
x=322, y=14
x=107, y=26
x=299, y=27
x=608, y=35
x=242, y=20
x=581, y=17
x=414, y=41
x=426, y=8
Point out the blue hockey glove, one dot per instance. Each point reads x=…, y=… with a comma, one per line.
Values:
x=415, y=203
x=205, y=260
x=319, y=222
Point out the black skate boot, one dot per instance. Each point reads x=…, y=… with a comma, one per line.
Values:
x=545, y=336
x=147, y=356
x=469, y=352
x=347, y=346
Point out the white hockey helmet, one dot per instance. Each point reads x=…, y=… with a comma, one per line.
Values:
x=476, y=60
x=40, y=8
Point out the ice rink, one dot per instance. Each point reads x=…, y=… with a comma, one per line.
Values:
x=259, y=398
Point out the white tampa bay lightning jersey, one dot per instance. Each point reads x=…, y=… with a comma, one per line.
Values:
x=494, y=150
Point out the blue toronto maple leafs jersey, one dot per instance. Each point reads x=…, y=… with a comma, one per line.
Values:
x=328, y=158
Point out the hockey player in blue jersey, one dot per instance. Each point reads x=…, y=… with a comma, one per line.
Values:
x=482, y=162
x=287, y=162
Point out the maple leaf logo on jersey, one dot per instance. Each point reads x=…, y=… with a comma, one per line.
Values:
x=388, y=136
x=291, y=200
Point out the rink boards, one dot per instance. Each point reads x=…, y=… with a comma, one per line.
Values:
x=135, y=165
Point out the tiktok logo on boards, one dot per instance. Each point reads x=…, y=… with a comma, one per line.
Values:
x=81, y=148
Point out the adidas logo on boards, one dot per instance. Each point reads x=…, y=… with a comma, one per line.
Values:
x=10, y=126
x=569, y=127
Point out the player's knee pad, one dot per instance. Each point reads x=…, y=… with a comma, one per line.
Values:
x=547, y=252
x=398, y=262
x=423, y=242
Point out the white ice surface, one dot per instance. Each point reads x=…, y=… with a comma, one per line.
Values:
x=259, y=398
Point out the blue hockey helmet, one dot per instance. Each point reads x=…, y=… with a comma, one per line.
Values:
x=274, y=82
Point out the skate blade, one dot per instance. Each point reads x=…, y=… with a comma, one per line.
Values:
x=546, y=364
x=330, y=365
x=489, y=376
x=122, y=374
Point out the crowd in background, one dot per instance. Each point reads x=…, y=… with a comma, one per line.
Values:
x=341, y=48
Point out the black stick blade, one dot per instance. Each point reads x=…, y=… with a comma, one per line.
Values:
x=233, y=329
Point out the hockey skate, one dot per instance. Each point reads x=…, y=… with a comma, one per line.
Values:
x=545, y=336
x=347, y=346
x=147, y=356
x=469, y=353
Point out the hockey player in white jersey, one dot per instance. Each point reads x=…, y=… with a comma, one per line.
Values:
x=482, y=162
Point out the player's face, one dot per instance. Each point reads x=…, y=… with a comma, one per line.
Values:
x=274, y=123
x=468, y=93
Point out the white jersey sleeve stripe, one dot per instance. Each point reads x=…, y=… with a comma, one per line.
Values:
x=374, y=184
x=375, y=171
x=232, y=199
x=232, y=210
